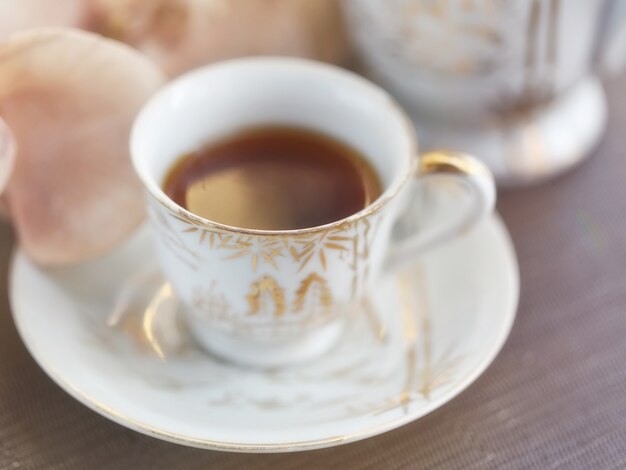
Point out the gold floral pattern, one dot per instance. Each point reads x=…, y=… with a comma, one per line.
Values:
x=270, y=305
x=210, y=300
x=304, y=249
x=314, y=289
x=266, y=295
x=348, y=241
x=265, y=249
x=267, y=299
x=258, y=250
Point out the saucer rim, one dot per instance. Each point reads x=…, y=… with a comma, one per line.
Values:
x=295, y=446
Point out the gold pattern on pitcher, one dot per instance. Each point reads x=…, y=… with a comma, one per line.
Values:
x=471, y=31
x=266, y=295
x=538, y=89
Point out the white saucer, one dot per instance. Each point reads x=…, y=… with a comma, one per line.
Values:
x=427, y=334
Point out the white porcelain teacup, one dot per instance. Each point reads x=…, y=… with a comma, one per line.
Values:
x=271, y=298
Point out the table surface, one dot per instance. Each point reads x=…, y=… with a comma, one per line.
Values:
x=554, y=398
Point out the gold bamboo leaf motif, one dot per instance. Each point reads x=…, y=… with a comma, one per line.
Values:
x=224, y=239
x=255, y=261
x=237, y=255
x=335, y=246
x=306, y=260
x=266, y=250
x=302, y=249
x=323, y=259
x=269, y=256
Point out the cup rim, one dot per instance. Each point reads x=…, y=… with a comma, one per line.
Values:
x=388, y=194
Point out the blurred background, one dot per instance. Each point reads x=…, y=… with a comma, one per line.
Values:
x=533, y=87
x=514, y=82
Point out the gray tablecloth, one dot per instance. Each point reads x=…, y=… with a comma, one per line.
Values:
x=554, y=398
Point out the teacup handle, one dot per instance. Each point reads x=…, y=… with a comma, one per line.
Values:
x=460, y=169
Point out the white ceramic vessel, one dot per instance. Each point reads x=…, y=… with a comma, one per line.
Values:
x=109, y=333
x=510, y=81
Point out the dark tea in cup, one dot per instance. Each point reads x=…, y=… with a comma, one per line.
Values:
x=273, y=178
